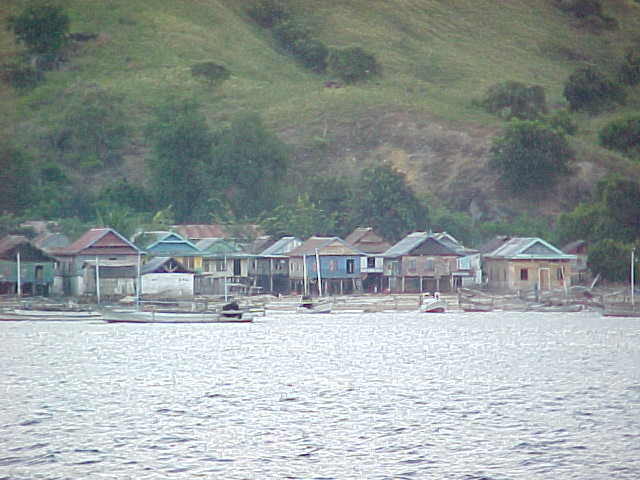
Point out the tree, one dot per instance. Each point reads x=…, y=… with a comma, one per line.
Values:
x=268, y=13
x=16, y=171
x=385, y=202
x=610, y=259
x=515, y=99
x=213, y=73
x=181, y=143
x=93, y=130
x=302, y=219
x=251, y=163
x=621, y=198
x=622, y=134
x=530, y=154
x=629, y=72
x=42, y=28
x=589, y=89
x=353, y=64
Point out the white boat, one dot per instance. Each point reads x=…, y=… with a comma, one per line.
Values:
x=173, y=317
x=49, y=314
x=429, y=304
x=307, y=305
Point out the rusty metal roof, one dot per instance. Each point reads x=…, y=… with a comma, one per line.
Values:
x=101, y=241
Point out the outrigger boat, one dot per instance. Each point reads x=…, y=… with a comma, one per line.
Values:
x=307, y=305
x=433, y=304
x=49, y=313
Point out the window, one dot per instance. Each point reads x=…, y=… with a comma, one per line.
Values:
x=351, y=265
x=524, y=274
x=429, y=265
x=188, y=261
x=412, y=266
x=559, y=274
x=371, y=262
x=221, y=266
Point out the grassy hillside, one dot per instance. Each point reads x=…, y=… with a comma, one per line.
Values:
x=437, y=57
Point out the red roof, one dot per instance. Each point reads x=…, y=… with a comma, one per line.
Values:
x=11, y=241
x=99, y=241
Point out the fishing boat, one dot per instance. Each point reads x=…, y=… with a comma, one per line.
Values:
x=307, y=305
x=168, y=317
x=49, y=313
x=435, y=304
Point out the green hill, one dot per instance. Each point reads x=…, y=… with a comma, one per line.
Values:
x=437, y=58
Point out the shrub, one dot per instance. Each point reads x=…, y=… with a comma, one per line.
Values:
x=268, y=13
x=21, y=76
x=562, y=121
x=287, y=33
x=211, y=72
x=42, y=28
x=529, y=155
x=312, y=54
x=590, y=90
x=629, y=72
x=622, y=135
x=610, y=259
x=582, y=8
x=514, y=99
x=353, y=64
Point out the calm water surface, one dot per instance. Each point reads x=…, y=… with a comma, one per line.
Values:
x=373, y=396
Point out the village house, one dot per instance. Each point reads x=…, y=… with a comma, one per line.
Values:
x=339, y=264
x=272, y=274
x=170, y=244
x=423, y=262
x=25, y=269
x=373, y=245
x=166, y=277
x=579, y=269
x=100, y=253
x=526, y=263
x=226, y=268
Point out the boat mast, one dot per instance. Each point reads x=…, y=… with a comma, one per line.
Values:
x=18, y=278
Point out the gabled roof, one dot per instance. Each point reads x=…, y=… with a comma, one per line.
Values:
x=325, y=246
x=201, y=231
x=166, y=243
x=574, y=246
x=528, y=248
x=494, y=243
x=13, y=244
x=423, y=243
x=218, y=246
x=164, y=265
x=282, y=246
x=100, y=241
x=365, y=239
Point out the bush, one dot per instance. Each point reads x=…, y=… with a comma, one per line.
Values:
x=562, y=121
x=353, y=64
x=629, y=72
x=296, y=38
x=42, y=28
x=268, y=13
x=582, y=8
x=590, y=90
x=211, y=72
x=610, y=259
x=21, y=76
x=529, y=155
x=287, y=33
x=514, y=99
x=622, y=135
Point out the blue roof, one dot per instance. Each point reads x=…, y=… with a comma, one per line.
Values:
x=280, y=247
x=528, y=248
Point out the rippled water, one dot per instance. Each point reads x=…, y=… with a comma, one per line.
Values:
x=452, y=396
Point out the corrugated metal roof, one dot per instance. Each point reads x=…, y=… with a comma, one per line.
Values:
x=365, y=239
x=100, y=237
x=281, y=247
x=9, y=242
x=158, y=262
x=310, y=245
x=407, y=244
x=522, y=248
x=218, y=246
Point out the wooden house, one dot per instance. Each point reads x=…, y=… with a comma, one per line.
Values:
x=166, y=277
x=272, y=274
x=524, y=263
x=422, y=262
x=579, y=269
x=25, y=269
x=170, y=244
x=339, y=265
x=226, y=268
x=101, y=247
x=373, y=245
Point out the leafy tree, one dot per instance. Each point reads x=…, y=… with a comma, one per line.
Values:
x=21, y=76
x=515, y=100
x=334, y=196
x=622, y=134
x=561, y=121
x=9, y=224
x=252, y=164
x=353, y=64
x=16, y=168
x=529, y=154
x=385, y=202
x=610, y=259
x=119, y=217
x=302, y=219
x=629, y=72
x=131, y=196
x=582, y=8
x=182, y=144
x=268, y=13
x=213, y=73
x=589, y=89
x=93, y=130
x=621, y=198
x=42, y=28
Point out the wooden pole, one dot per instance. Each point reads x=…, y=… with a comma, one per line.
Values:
x=18, y=273
x=98, y=280
x=319, y=277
